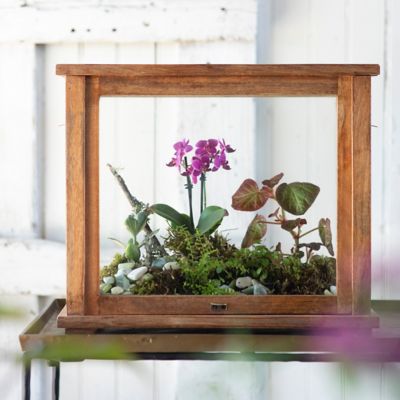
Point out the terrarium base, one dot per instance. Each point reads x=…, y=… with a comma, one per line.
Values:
x=90, y=323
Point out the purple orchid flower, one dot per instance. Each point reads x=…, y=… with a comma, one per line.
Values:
x=210, y=155
x=181, y=149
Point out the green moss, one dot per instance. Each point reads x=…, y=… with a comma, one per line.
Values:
x=193, y=246
x=208, y=262
x=281, y=274
x=144, y=287
x=112, y=268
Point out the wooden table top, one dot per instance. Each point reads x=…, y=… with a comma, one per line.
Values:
x=43, y=339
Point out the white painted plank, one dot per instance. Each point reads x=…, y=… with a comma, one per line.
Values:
x=18, y=143
x=165, y=379
x=54, y=125
x=144, y=21
x=97, y=380
x=390, y=381
x=220, y=380
x=126, y=141
x=32, y=266
x=391, y=163
x=135, y=379
x=281, y=374
x=363, y=381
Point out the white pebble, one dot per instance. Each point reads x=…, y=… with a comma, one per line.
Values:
x=137, y=273
x=117, y=290
x=171, y=265
x=243, y=282
x=109, y=280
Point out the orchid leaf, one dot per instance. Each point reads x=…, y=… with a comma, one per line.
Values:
x=185, y=221
x=271, y=183
x=325, y=233
x=290, y=224
x=249, y=197
x=170, y=214
x=255, y=231
x=297, y=197
x=210, y=219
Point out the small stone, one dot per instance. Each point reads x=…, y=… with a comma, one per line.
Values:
x=227, y=289
x=137, y=273
x=172, y=265
x=109, y=280
x=259, y=289
x=248, y=290
x=121, y=280
x=327, y=293
x=105, y=287
x=117, y=290
x=126, y=267
x=243, y=282
x=159, y=262
x=333, y=290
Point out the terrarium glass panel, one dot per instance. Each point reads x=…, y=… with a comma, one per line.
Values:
x=218, y=198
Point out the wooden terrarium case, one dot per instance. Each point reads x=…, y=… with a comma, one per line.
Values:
x=87, y=309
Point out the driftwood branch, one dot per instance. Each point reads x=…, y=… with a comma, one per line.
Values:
x=137, y=205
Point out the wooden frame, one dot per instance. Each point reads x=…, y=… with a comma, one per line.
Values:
x=84, y=86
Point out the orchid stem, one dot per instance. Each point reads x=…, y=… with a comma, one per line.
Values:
x=202, y=192
x=189, y=187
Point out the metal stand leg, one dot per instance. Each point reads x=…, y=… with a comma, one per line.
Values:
x=55, y=387
x=26, y=389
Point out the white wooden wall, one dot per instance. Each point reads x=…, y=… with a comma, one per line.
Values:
x=137, y=134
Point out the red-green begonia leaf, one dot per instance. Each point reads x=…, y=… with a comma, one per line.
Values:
x=297, y=197
x=249, y=197
x=273, y=181
x=290, y=224
x=325, y=233
x=255, y=231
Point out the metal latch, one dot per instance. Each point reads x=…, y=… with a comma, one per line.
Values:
x=218, y=307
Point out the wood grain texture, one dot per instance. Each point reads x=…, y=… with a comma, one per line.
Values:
x=43, y=331
x=362, y=194
x=282, y=70
x=147, y=321
x=92, y=236
x=237, y=80
x=345, y=195
x=123, y=305
x=218, y=86
x=75, y=152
